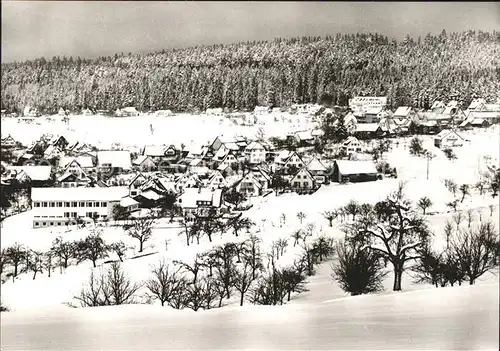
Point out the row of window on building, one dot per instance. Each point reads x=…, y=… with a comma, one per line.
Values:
x=70, y=204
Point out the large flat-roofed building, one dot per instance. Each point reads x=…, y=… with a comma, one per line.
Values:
x=61, y=206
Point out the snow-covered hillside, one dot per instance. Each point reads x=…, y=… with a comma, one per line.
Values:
x=420, y=317
x=460, y=318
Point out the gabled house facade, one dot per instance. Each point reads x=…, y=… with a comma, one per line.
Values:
x=303, y=179
x=249, y=185
x=255, y=153
x=448, y=138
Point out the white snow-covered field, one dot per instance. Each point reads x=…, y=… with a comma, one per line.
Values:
x=460, y=318
x=132, y=132
x=422, y=317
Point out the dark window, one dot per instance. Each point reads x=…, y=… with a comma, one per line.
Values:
x=89, y=204
x=96, y=204
x=51, y=223
x=52, y=204
x=37, y=204
x=82, y=204
x=37, y=224
x=104, y=204
x=44, y=204
x=74, y=204
x=59, y=204
x=66, y=214
x=66, y=204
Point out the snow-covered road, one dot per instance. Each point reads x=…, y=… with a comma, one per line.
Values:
x=459, y=318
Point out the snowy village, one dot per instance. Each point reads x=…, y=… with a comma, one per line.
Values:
x=296, y=193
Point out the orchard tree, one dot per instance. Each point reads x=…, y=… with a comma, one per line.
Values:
x=424, y=203
x=476, y=250
x=16, y=254
x=36, y=262
x=330, y=216
x=140, y=229
x=92, y=248
x=398, y=236
x=296, y=236
x=352, y=208
x=464, y=189
x=64, y=250
x=166, y=283
x=301, y=216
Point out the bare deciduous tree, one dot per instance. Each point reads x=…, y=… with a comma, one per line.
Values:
x=458, y=218
x=471, y=216
x=330, y=216
x=243, y=279
x=476, y=250
x=296, y=236
x=64, y=250
x=16, y=255
x=112, y=287
x=140, y=229
x=119, y=248
x=166, y=284
x=464, y=189
x=301, y=216
x=397, y=237
x=424, y=203
x=92, y=248
x=36, y=262
x=352, y=208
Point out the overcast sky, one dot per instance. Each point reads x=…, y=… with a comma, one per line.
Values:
x=33, y=29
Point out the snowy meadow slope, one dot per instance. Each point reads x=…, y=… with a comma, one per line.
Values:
x=464, y=318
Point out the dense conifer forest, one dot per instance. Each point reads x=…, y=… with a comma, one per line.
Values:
x=326, y=70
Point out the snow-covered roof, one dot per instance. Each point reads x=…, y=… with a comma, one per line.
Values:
x=233, y=146
x=402, y=111
x=304, y=135
x=192, y=195
x=367, y=127
x=373, y=110
x=492, y=107
x=476, y=103
x=83, y=161
x=316, y=165
x=140, y=160
x=255, y=145
x=154, y=150
x=317, y=132
x=195, y=162
x=350, y=140
x=127, y=201
x=485, y=114
x=129, y=109
x=434, y=116
x=444, y=133
x=117, y=158
x=200, y=170
x=477, y=121
x=35, y=173
x=150, y=195
x=114, y=193
x=356, y=167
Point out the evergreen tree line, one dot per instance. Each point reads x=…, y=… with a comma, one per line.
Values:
x=327, y=70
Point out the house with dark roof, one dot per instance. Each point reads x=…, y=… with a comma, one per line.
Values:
x=354, y=171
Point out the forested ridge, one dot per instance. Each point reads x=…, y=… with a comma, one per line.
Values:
x=329, y=69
